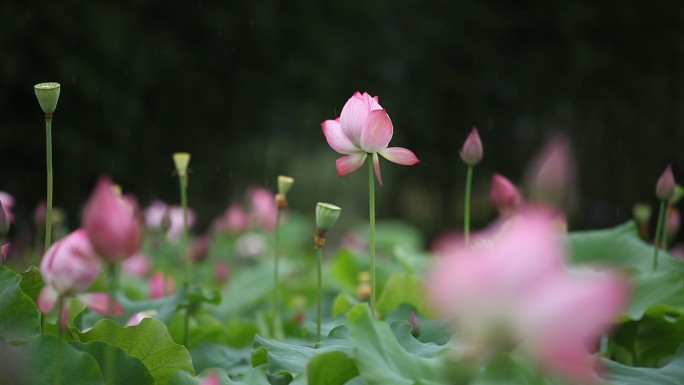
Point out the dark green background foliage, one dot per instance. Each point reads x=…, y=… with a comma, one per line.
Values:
x=244, y=85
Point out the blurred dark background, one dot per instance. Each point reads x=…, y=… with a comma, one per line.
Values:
x=244, y=85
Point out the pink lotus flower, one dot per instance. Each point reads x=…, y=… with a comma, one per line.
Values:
x=137, y=266
x=263, y=209
x=155, y=214
x=364, y=128
x=175, y=215
x=7, y=201
x=69, y=268
x=514, y=290
x=472, y=151
x=112, y=223
x=161, y=285
x=504, y=195
x=665, y=188
x=233, y=220
x=552, y=174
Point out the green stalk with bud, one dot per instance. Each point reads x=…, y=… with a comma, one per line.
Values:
x=326, y=216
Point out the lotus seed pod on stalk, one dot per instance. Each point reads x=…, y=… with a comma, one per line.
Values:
x=181, y=160
x=48, y=95
x=284, y=185
x=326, y=215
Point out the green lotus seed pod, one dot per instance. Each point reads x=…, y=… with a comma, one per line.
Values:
x=48, y=95
x=181, y=159
x=284, y=184
x=326, y=215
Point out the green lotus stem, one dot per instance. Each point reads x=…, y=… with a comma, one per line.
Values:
x=319, y=307
x=371, y=206
x=183, y=182
x=466, y=218
x=276, y=312
x=48, y=147
x=658, y=235
x=58, y=356
x=110, y=359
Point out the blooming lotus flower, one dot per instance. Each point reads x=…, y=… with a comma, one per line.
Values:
x=472, y=151
x=665, y=188
x=504, y=195
x=515, y=291
x=68, y=268
x=363, y=129
x=112, y=223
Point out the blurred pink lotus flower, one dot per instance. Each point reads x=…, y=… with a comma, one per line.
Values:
x=211, y=379
x=673, y=222
x=4, y=250
x=112, y=222
x=263, y=209
x=68, y=268
x=154, y=215
x=364, y=128
x=39, y=214
x=175, y=215
x=233, y=220
x=161, y=285
x=472, y=152
x=665, y=187
x=7, y=201
x=221, y=272
x=504, y=195
x=551, y=176
x=137, y=265
x=512, y=289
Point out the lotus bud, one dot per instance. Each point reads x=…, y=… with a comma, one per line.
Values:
x=326, y=215
x=665, y=188
x=472, y=151
x=48, y=95
x=4, y=222
x=504, y=195
x=112, y=223
x=70, y=265
x=415, y=324
x=552, y=174
x=181, y=159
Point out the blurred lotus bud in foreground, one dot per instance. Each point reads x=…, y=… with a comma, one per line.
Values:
x=551, y=176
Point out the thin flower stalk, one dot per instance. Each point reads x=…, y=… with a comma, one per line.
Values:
x=371, y=235
x=658, y=234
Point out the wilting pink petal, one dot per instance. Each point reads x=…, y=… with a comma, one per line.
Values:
x=47, y=299
x=211, y=379
x=138, y=265
x=70, y=265
x=112, y=223
x=376, y=167
x=471, y=152
x=350, y=163
x=504, y=195
x=336, y=138
x=377, y=131
x=137, y=318
x=399, y=155
x=161, y=285
x=665, y=187
x=100, y=303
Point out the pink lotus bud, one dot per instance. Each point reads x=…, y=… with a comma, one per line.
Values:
x=552, y=175
x=4, y=222
x=4, y=249
x=471, y=153
x=70, y=265
x=7, y=201
x=415, y=324
x=112, y=223
x=161, y=285
x=665, y=188
x=504, y=195
x=221, y=272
